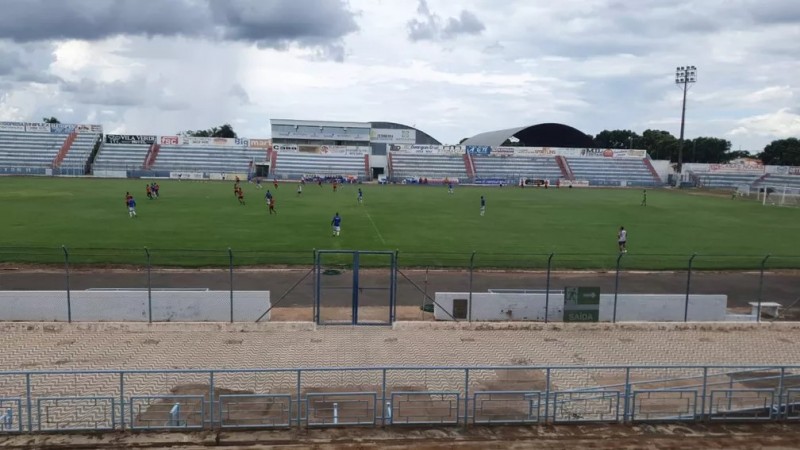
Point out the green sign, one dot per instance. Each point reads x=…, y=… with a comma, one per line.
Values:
x=581, y=304
x=581, y=316
x=574, y=296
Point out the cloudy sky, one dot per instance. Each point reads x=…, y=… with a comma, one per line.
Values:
x=453, y=69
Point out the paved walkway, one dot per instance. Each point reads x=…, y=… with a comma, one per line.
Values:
x=185, y=346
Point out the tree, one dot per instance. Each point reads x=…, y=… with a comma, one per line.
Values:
x=223, y=131
x=736, y=154
x=782, y=152
x=707, y=150
x=617, y=139
x=50, y=120
x=660, y=144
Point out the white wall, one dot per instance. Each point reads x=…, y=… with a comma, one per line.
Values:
x=378, y=161
x=131, y=306
x=110, y=173
x=662, y=168
x=630, y=307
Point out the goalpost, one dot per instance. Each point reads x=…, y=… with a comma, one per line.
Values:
x=779, y=195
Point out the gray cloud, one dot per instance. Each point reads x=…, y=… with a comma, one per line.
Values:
x=239, y=93
x=115, y=93
x=274, y=24
x=428, y=26
x=466, y=23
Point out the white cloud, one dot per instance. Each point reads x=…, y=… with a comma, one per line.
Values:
x=782, y=124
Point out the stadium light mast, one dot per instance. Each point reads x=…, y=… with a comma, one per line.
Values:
x=684, y=75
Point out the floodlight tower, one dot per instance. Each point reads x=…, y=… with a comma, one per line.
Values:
x=684, y=75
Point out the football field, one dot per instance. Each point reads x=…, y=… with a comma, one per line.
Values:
x=424, y=223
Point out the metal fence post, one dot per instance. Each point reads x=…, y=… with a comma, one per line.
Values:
x=122, y=400
x=383, y=398
x=29, y=401
x=471, y=267
x=547, y=289
x=780, y=397
x=66, y=270
x=149, y=289
x=705, y=388
x=466, y=397
x=315, y=294
x=230, y=269
x=616, y=288
x=688, y=287
x=299, y=403
x=211, y=399
x=546, y=396
x=625, y=414
x=761, y=286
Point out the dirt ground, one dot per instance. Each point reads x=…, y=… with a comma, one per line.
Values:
x=600, y=437
x=296, y=287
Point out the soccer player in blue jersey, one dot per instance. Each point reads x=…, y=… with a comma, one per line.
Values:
x=268, y=196
x=336, y=223
x=131, y=202
x=483, y=205
x=360, y=197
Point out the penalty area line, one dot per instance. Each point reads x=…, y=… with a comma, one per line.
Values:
x=375, y=227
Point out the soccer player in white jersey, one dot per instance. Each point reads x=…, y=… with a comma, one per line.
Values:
x=622, y=239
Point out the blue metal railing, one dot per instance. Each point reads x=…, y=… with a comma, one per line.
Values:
x=36, y=401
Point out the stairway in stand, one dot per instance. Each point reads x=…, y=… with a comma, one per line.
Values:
x=151, y=156
x=62, y=153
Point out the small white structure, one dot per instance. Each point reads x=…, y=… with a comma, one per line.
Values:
x=630, y=307
x=771, y=309
x=132, y=305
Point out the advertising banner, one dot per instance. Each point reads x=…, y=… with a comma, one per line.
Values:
x=286, y=148
x=213, y=141
x=453, y=149
x=491, y=181
x=186, y=175
x=794, y=171
x=536, y=151
x=322, y=134
x=569, y=152
x=627, y=153
x=260, y=143
x=392, y=136
x=87, y=128
x=130, y=139
x=736, y=168
x=503, y=151
x=343, y=150
x=12, y=126
x=170, y=140
x=484, y=150
x=62, y=128
x=598, y=152
x=35, y=127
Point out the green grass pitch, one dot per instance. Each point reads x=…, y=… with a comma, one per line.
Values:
x=425, y=223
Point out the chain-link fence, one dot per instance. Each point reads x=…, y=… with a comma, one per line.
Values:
x=751, y=286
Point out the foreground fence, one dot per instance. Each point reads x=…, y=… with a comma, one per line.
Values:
x=51, y=401
x=418, y=276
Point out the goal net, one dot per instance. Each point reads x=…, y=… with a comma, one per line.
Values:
x=779, y=195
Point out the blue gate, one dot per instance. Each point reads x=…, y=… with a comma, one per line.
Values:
x=355, y=287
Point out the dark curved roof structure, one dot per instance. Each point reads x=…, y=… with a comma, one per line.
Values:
x=541, y=135
x=422, y=137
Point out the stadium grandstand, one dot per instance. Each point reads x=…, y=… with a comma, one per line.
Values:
x=32, y=148
x=547, y=153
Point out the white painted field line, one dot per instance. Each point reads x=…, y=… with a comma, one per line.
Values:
x=375, y=226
